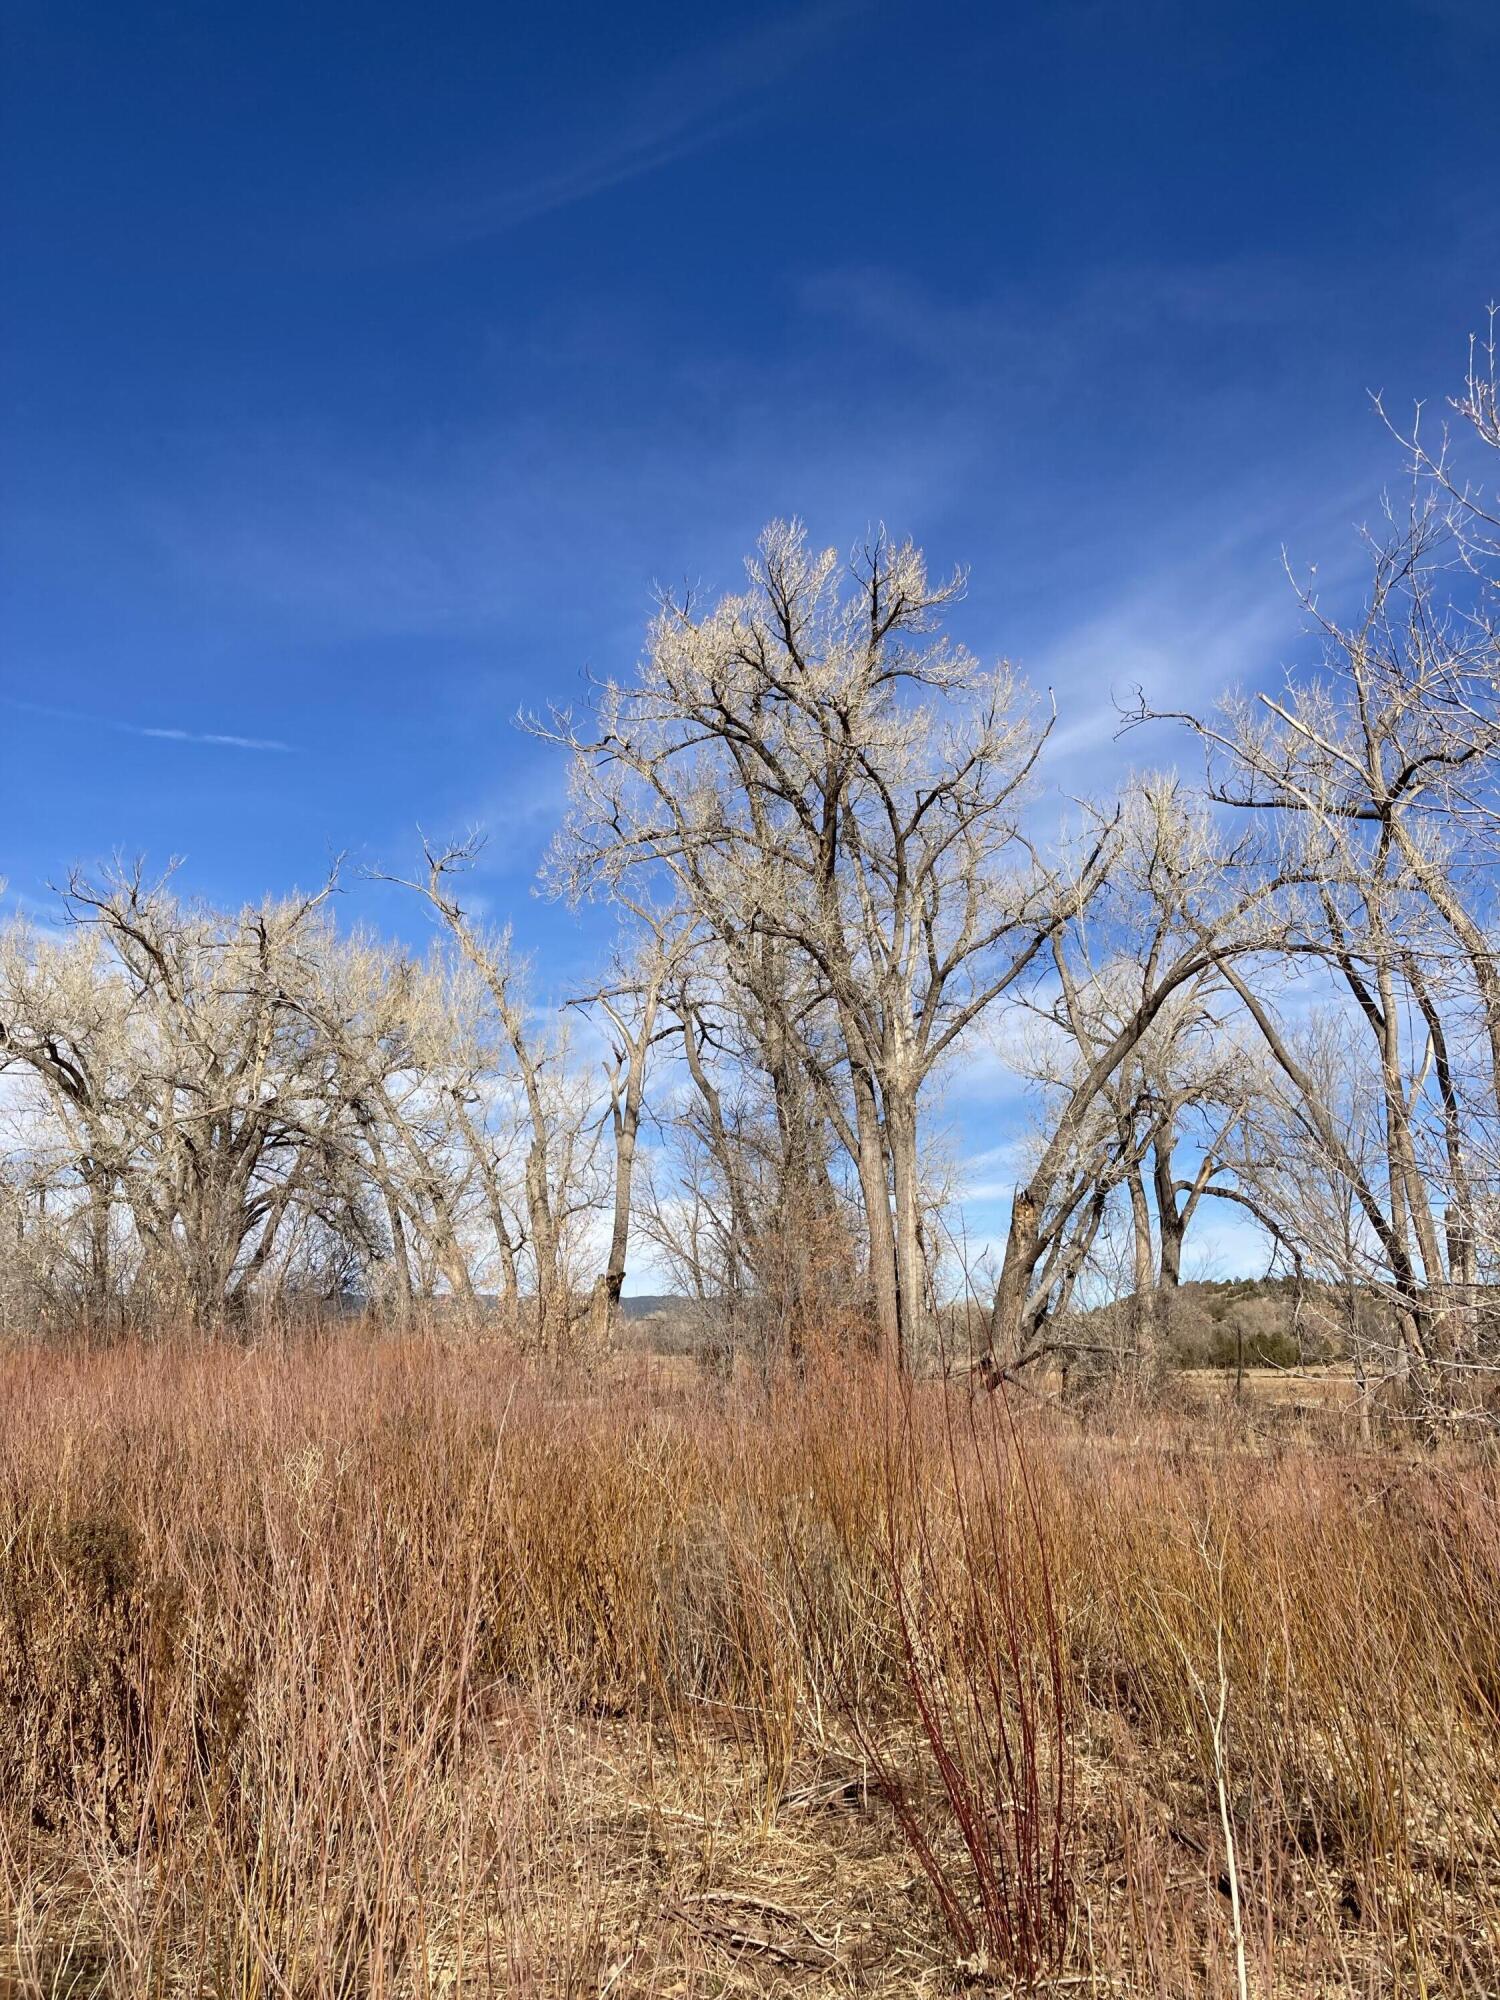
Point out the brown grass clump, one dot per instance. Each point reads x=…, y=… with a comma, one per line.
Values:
x=374, y=1666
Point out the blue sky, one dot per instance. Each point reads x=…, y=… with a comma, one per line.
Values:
x=362, y=366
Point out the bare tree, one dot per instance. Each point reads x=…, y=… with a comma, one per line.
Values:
x=406, y=1067
x=1180, y=907
x=1162, y=1129
x=632, y=1007
x=766, y=1238
x=1381, y=773
x=73, y=1109
x=559, y=1155
x=173, y=1051
x=814, y=762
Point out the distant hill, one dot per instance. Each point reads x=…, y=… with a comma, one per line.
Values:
x=647, y=1305
x=1267, y=1322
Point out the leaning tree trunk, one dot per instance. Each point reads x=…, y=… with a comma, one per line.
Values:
x=1022, y=1252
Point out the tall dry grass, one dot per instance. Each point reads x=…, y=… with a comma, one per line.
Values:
x=367, y=1665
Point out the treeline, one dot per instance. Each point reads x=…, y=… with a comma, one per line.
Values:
x=836, y=856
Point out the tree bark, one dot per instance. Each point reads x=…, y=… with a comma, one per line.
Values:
x=885, y=1289
x=901, y=1135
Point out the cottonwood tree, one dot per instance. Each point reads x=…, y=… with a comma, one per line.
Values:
x=1308, y=1195
x=1381, y=773
x=558, y=1179
x=74, y=1108
x=1174, y=907
x=755, y=1219
x=633, y=1009
x=1195, y=1077
x=211, y=1109
x=813, y=761
x=172, y=1050
x=1161, y=1131
x=405, y=1067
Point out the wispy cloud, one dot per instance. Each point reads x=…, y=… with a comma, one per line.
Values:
x=468, y=217
x=687, y=105
x=221, y=739
x=213, y=736
x=1211, y=616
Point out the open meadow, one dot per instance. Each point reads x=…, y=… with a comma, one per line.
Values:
x=377, y=1665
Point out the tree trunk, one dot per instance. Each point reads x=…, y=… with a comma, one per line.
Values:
x=1144, y=1271
x=901, y=1136
x=1171, y=1221
x=604, y=1301
x=400, y=1254
x=884, y=1283
x=1022, y=1248
x=551, y=1303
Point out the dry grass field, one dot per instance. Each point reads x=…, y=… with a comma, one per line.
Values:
x=367, y=1665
